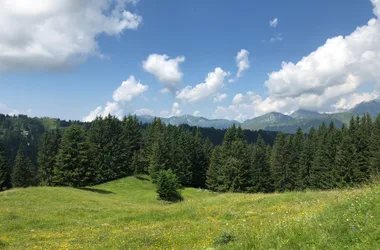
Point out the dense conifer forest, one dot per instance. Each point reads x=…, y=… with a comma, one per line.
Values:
x=107, y=149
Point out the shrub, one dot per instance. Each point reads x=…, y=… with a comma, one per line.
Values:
x=168, y=186
x=224, y=238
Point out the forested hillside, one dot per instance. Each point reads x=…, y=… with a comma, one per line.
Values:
x=109, y=149
x=44, y=135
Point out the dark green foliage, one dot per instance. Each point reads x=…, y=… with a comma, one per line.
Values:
x=261, y=172
x=47, y=154
x=224, y=238
x=24, y=173
x=281, y=164
x=5, y=170
x=72, y=165
x=199, y=162
x=109, y=153
x=344, y=160
x=307, y=158
x=375, y=147
x=168, y=186
x=108, y=149
x=321, y=176
x=212, y=175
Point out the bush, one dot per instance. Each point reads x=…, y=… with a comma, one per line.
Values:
x=224, y=238
x=168, y=186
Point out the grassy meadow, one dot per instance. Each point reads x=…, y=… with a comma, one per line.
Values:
x=125, y=214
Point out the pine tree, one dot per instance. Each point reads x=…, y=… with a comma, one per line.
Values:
x=24, y=174
x=213, y=172
x=362, y=169
x=261, y=172
x=159, y=158
x=321, y=172
x=280, y=163
x=168, y=186
x=295, y=158
x=5, y=170
x=307, y=158
x=132, y=141
x=72, y=165
x=375, y=147
x=108, y=150
x=199, y=162
x=47, y=154
x=344, y=160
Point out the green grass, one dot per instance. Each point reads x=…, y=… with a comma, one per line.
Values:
x=125, y=214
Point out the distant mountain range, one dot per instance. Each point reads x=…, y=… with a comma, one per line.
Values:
x=275, y=121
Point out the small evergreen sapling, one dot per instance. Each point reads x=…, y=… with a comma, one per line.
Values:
x=168, y=186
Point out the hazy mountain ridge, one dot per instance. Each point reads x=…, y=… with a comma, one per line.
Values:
x=275, y=121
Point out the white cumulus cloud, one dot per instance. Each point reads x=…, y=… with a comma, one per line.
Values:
x=242, y=63
x=213, y=83
x=197, y=113
x=175, y=109
x=219, y=97
x=50, y=35
x=166, y=70
x=128, y=90
x=144, y=111
x=327, y=80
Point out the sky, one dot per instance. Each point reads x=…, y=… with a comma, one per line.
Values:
x=233, y=59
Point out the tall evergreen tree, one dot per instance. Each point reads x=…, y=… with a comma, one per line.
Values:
x=375, y=147
x=5, y=170
x=295, y=152
x=159, y=158
x=321, y=171
x=24, y=174
x=307, y=159
x=108, y=150
x=199, y=162
x=72, y=166
x=261, y=172
x=213, y=172
x=280, y=164
x=362, y=169
x=344, y=160
x=47, y=154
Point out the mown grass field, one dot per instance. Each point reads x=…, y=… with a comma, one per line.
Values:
x=125, y=214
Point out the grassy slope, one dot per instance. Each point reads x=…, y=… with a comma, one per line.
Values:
x=125, y=214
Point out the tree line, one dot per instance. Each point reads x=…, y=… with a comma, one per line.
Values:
x=109, y=149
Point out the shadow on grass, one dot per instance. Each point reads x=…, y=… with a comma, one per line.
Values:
x=141, y=178
x=99, y=191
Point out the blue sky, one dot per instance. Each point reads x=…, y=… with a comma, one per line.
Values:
x=94, y=54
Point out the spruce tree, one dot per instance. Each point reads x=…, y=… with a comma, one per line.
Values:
x=375, y=147
x=307, y=159
x=159, y=158
x=261, y=172
x=321, y=172
x=168, y=186
x=280, y=163
x=47, y=154
x=5, y=170
x=199, y=162
x=24, y=173
x=344, y=160
x=295, y=152
x=72, y=165
x=213, y=172
x=362, y=170
x=108, y=150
